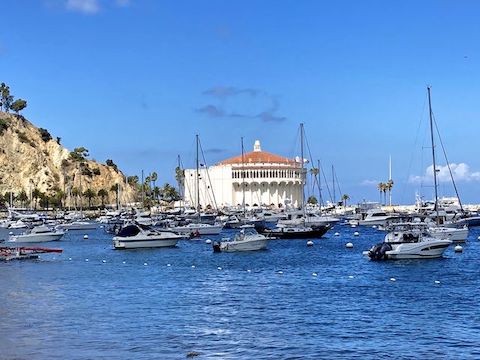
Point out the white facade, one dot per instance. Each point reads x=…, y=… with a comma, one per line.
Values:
x=269, y=180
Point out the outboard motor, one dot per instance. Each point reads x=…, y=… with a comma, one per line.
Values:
x=216, y=247
x=378, y=252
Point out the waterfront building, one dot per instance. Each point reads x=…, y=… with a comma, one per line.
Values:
x=268, y=180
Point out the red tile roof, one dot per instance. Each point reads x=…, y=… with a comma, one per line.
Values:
x=258, y=157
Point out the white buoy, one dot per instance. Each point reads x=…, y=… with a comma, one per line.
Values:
x=458, y=248
x=309, y=243
x=86, y=260
x=280, y=273
x=70, y=259
x=101, y=226
x=249, y=271
x=219, y=268
x=124, y=262
x=437, y=282
x=168, y=265
x=85, y=237
x=145, y=264
x=393, y=279
x=349, y=245
x=208, y=241
x=374, y=226
x=478, y=238
x=10, y=233
x=193, y=266
x=314, y=274
x=104, y=261
x=354, y=226
x=356, y=233
x=351, y=277
x=337, y=234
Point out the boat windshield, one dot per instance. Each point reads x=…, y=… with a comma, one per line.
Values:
x=130, y=230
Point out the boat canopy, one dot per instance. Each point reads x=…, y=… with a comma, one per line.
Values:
x=128, y=231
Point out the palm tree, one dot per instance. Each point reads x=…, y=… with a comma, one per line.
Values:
x=102, y=193
x=22, y=197
x=380, y=189
x=115, y=189
x=389, y=185
x=89, y=194
x=76, y=193
x=36, y=194
x=345, y=198
x=153, y=178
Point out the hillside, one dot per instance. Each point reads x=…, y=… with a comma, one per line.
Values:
x=31, y=159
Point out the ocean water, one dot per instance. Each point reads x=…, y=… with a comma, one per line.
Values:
x=261, y=305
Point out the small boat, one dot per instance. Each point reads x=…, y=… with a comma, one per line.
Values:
x=77, y=225
x=202, y=229
x=38, y=234
x=24, y=253
x=408, y=244
x=296, y=232
x=135, y=237
x=246, y=240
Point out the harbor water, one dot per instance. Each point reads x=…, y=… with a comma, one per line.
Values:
x=288, y=302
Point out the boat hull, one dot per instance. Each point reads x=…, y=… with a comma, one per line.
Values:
x=251, y=245
x=36, y=238
x=121, y=244
x=211, y=230
x=421, y=250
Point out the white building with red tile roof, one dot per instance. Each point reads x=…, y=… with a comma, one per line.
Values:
x=268, y=180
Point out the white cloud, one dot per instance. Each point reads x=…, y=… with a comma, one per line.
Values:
x=83, y=6
x=369, y=182
x=461, y=173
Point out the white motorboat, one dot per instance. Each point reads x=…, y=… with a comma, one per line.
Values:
x=408, y=244
x=453, y=234
x=78, y=225
x=38, y=234
x=310, y=219
x=136, y=237
x=376, y=217
x=246, y=240
x=201, y=229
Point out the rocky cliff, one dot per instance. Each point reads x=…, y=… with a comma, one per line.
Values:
x=31, y=159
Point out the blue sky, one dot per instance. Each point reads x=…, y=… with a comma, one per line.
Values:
x=135, y=80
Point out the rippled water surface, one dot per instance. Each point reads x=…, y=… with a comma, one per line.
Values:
x=263, y=305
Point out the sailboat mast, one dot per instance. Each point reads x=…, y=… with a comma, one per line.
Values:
x=320, y=200
x=198, y=179
x=333, y=182
x=433, y=152
x=243, y=179
x=302, y=177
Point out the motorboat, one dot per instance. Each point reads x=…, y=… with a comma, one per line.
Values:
x=246, y=240
x=77, y=225
x=309, y=219
x=135, y=237
x=198, y=228
x=449, y=233
x=408, y=243
x=376, y=217
x=38, y=234
x=296, y=232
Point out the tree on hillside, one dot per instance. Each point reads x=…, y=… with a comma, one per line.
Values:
x=5, y=96
x=132, y=180
x=89, y=194
x=110, y=163
x=18, y=105
x=102, y=194
x=79, y=154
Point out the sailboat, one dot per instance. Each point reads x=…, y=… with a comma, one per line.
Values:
x=298, y=230
x=407, y=241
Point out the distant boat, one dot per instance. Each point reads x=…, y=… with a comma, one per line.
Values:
x=246, y=240
x=78, y=225
x=38, y=234
x=137, y=237
x=201, y=229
